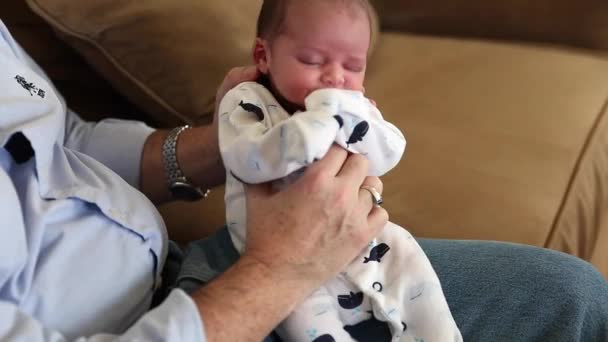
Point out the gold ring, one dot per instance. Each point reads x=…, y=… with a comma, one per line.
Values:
x=376, y=197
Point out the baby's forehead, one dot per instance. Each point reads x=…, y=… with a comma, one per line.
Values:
x=354, y=8
x=278, y=16
x=301, y=15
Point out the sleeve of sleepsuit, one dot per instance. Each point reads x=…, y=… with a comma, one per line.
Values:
x=362, y=127
x=258, y=144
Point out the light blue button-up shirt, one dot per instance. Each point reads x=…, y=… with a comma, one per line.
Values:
x=81, y=249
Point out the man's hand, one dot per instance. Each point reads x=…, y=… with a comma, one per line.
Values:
x=315, y=227
x=297, y=238
x=233, y=78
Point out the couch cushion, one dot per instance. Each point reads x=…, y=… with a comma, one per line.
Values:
x=580, y=23
x=167, y=56
x=505, y=142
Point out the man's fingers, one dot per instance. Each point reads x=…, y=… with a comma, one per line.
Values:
x=366, y=201
x=333, y=161
x=355, y=169
x=377, y=220
x=377, y=217
x=375, y=183
x=246, y=73
x=367, y=198
x=234, y=77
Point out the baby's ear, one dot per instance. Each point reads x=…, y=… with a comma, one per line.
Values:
x=261, y=55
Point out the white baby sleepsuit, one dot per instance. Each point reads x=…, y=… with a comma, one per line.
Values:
x=391, y=280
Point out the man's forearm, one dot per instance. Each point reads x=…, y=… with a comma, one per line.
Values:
x=197, y=155
x=248, y=301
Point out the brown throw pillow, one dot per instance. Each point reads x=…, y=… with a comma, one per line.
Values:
x=166, y=56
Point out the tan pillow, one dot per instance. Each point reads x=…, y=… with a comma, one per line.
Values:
x=580, y=23
x=166, y=56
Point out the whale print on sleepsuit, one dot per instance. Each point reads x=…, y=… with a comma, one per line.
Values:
x=350, y=301
x=377, y=253
x=358, y=133
x=371, y=330
x=324, y=338
x=251, y=108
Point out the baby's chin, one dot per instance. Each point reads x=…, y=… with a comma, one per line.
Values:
x=296, y=106
x=291, y=106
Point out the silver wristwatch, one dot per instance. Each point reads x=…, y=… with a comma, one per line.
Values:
x=179, y=186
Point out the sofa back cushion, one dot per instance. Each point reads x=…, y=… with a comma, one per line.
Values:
x=579, y=23
x=166, y=56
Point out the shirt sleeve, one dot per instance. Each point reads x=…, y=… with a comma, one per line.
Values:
x=118, y=144
x=255, y=149
x=176, y=319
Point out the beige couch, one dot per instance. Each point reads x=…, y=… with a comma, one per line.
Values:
x=503, y=103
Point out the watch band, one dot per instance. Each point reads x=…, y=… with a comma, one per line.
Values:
x=179, y=186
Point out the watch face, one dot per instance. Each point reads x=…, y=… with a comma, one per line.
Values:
x=186, y=192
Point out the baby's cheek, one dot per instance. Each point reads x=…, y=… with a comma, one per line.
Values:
x=299, y=92
x=354, y=84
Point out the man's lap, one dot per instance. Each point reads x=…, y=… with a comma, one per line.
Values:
x=511, y=292
x=496, y=291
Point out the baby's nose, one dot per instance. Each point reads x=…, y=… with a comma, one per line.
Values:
x=333, y=77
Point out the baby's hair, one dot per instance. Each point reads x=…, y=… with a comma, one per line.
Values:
x=273, y=12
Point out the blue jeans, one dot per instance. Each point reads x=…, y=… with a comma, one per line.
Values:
x=496, y=291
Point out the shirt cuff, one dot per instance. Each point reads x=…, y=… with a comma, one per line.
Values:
x=176, y=319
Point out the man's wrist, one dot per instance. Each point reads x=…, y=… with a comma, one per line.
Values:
x=282, y=273
x=179, y=185
x=248, y=300
x=199, y=156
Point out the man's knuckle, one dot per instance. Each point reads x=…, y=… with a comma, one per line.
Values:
x=373, y=181
x=346, y=194
x=383, y=217
x=360, y=237
x=316, y=181
x=360, y=161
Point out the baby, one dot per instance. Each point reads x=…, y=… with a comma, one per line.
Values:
x=313, y=55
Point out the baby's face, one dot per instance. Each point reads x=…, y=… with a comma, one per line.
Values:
x=323, y=45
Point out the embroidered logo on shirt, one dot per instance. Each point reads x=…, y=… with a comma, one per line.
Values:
x=30, y=87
